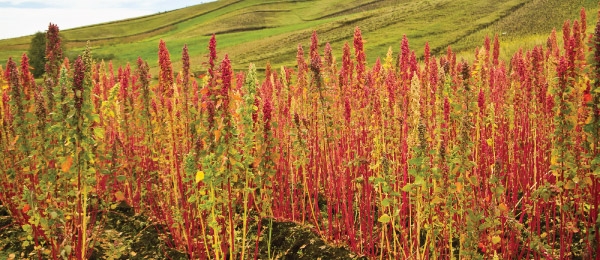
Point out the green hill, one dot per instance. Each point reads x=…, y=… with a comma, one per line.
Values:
x=258, y=31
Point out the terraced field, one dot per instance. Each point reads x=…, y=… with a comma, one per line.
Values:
x=261, y=31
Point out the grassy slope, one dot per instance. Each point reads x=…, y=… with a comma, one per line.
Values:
x=270, y=30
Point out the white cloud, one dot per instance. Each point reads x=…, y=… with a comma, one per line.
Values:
x=25, y=17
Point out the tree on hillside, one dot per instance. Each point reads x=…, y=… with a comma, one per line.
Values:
x=37, y=54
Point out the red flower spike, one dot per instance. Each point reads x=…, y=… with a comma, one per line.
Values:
x=165, y=80
x=390, y=83
x=328, y=56
x=315, y=59
x=124, y=80
x=404, y=59
x=552, y=45
x=11, y=74
x=376, y=69
x=347, y=66
x=414, y=65
x=226, y=76
x=567, y=35
x=54, y=52
x=347, y=109
x=359, y=52
x=212, y=49
x=240, y=78
x=496, y=51
x=78, y=76
x=487, y=44
x=26, y=78
x=481, y=101
x=185, y=60
x=433, y=75
x=302, y=68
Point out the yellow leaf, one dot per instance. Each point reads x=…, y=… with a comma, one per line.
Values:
x=204, y=91
x=570, y=185
x=490, y=142
x=217, y=135
x=554, y=160
x=436, y=200
x=496, y=239
x=589, y=119
x=99, y=132
x=503, y=208
x=459, y=186
x=543, y=235
x=237, y=97
x=199, y=176
x=119, y=196
x=256, y=162
x=495, y=257
x=385, y=218
x=14, y=142
x=66, y=165
x=587, y=181
x=455, y=170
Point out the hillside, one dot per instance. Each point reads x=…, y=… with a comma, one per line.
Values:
x=257, y=31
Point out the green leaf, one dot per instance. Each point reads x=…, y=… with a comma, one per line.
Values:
x=94, y=118
x=386, y=188
x=412, y=172
x=385, y=218
x=68, y=249
x=376, y=180
x=99, y=132
x=121, y=178
x=386, y=202
x=416, y=161
x=91, y=180
x=419, y=180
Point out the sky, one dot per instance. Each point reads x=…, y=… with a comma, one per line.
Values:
x=26, y=17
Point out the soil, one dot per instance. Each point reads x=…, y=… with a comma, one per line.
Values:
x=129, y=236
x=290, y=240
